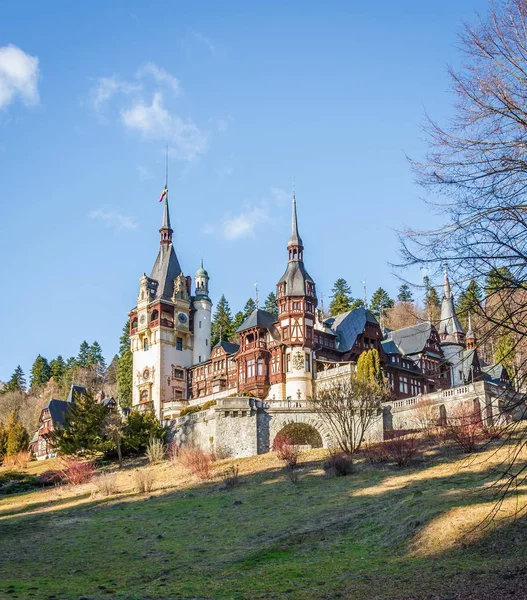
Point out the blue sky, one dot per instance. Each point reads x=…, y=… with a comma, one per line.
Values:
x=249, y=96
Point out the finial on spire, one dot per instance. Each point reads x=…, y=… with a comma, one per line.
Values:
x=365, y=295
x=166, y=229
x=295, y=239
x=447, y=290
x=256, y=294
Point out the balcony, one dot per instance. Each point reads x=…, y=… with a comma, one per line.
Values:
x=253, y=345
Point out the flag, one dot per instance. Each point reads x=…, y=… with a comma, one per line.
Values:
x=163, y=193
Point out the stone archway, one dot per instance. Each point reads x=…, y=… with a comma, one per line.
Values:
x=279, y=421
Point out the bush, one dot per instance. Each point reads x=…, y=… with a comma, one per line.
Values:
x=155, y=451
x=17, y=439
x=199, y=463
x=464, y=428
x=50, y=478
x=302, y=434
x=222, y=453
x=18, y=460
x=208, y=404
x=189, y=410
x=402, y=449
x=230, y=477
x=292, y=474
x=172, y=451
x=15, y=482
x=77, y=472
x=286, y=451
x=140, y=427
x=376, y=453
x=106, y=484
x=339, y=464
x=144, y=480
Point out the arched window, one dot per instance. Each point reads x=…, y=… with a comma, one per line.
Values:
x=134, y=323
x=144, y=396
x=154, y=316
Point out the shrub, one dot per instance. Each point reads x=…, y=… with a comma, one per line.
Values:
x=17, y=439
x=106, y=484
x=77, y=472
x=286, y=451
x=50, y=478
x=230, y=477
x=402, y=449
x=222, y=453
x=376, y=453
x=339, y=464
x=197, y=461
x=464, y=428
x=139, y=429
x=189, y=410
x=155, y=451
x=208, y=404
x=292, y=474
x=302, y=434
x=18, y=460
x=144, y=480
x=172, y=451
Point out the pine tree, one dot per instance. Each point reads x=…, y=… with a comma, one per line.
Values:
x=342, y=300
x=82, y=429
x=57, y=368
x=270, y=304
x=17, y=439
x=499, y=278
x=17, y=383
x=222, y=325
x=250, y=305
x=82, y=358
x=238, y=320
x=432, y=304
x=3, y=441
x=125, y=368
x=505, y=353
x=40, y=372
x=405, y=294
x=380, y=301
x=95, y=357
x=469, y=302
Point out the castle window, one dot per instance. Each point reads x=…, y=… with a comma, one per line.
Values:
x=154, y=316
x=297, y=306
x=206, y=341
x=288, y=362
x=259, y=367
x=144, y=396
x=200, y=324
x=199, y=358
x=309, y=332
x=134, y=323
x=286, y=333
x=179, y=343
x=308, y=363
x=250, y=368
x=177, y=394
x=403, y=385
x=145, y=344
x=179, y=373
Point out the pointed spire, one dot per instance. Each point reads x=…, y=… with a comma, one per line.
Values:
x=447, y=291
x=166, y=230
x=295, y=239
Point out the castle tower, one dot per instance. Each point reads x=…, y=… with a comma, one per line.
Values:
x=296, y=303
x=451, y=333
x=161, y=340
x=202, y=306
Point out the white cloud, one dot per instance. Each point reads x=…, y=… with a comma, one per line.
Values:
x=155, y=122
x=18, y=76
x=113, y=219
x=280, y=196
x=106, y=87
x=160, y=75
x=244, y=224
x=196, y=38
x=144, y=173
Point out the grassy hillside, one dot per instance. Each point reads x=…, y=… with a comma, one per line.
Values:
x=383, y=533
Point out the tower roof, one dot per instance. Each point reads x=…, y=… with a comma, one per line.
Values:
x=449, y=325
x=166, y=215
x=295, y=239
x=201, y=272
x=165, y=270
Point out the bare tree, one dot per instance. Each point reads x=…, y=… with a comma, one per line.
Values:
x=348, y=409
x=477, y=164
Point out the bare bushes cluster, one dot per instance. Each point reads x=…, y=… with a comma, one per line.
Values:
x=105, y=484
x=230, y=477
x=77, y=472
x=465, y=428
x=17, y=461
x=155, y=451
x=144, y=480
x=338, y=464
x=286, y=451
x=198, y=462
x=402, y=449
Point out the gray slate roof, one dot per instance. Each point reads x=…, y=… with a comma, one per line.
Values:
x=58, y=409
x=74, y=393
x=229, y=347
x=166, y=269
x=295, y=277
x=259, y=318
x=492, y=373
x=348, y=326
x=410, y=340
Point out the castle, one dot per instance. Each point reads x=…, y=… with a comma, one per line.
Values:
x=282, y=357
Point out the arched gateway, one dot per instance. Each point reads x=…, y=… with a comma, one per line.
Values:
x=279, y=422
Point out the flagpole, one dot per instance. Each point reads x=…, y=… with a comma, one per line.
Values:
x=166, y=170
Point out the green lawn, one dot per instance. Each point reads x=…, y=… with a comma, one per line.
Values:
x=382, y=533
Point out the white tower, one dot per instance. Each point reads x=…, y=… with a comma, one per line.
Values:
x=161, y=340
x=202, y=317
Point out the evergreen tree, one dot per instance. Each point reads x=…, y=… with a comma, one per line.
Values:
x=499, y=278
x=125, y=368
x=84, y=351
x=469, y=302
x=222, y=322
x=432, y=304
x=17, y=383
x=112, y=370
x=380, y=301
x=17, y=439
x=250, y=305
x=369, y=367
x=40, y=372
x=140, y=428
x=239, y=318
x=57, y=368
x=342, y=300
x=405, y=294
x=82, y=429
x=505, y=353
x=270, y=304
x=95, y=357
x=3, y=441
